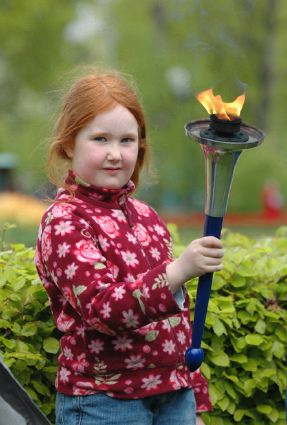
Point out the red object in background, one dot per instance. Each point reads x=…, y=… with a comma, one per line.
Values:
x=272, y=201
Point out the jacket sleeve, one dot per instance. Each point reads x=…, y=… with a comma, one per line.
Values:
x=88, y=281
x=200, y=388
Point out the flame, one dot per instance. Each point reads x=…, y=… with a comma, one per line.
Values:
x=215, y=105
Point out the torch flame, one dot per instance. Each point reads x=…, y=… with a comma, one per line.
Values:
x=215, y=105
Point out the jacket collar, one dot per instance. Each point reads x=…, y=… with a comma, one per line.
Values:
x=113, y=197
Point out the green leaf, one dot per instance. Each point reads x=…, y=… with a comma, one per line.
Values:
x=232, y=378
x=251, y=365
x=29, y=329
x=239, y=358
x=274, y=415
x=9, y=343
x=51, y=345
x=260, y=326
x=264, y=408
x=249, y=385
x=205, y=370
x=238, y=415
x=99, y=266
x=238, y=281
x=223, y=403
x=278, y=349
x=219, y=359
x=18, y=284
x=174, y=321
x=21, y=347
x=78, y=290
x=40, y=388
x=151, y=336
x=219, y=327
x=253, y=339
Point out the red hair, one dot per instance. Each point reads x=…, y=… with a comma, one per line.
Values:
x=89, y=96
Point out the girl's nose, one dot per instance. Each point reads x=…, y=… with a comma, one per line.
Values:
x=114, y=153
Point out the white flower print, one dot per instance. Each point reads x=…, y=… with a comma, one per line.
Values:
x=81, y=363
x=119, y=215
x=81, y=331
x=96, y=346
x=63, y=249
x=152, y=382
x=130, y=258
x=129, y=278
x=64, y=375
x=134, y=362
x=71, y=270
x=181, y=337
x=106, y=310
x=159, y=229
x=130, y=319
x=145, y=291
x=155, y=253
x=119, y=292
x=104, y=244
x=168, y=346
x=131, y=238
x=122, y=343
x=68, y=353
x=63, y=227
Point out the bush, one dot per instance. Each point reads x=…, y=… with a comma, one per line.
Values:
x=245, y=337
x=28, y=338
x=244, y=340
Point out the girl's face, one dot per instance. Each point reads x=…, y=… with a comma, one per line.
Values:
x=106, y=149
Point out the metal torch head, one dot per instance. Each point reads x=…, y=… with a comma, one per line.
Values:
x=222, y=143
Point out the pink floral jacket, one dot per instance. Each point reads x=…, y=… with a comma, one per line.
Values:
x=102, y=257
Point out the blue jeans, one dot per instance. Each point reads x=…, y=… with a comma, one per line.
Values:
x=177, y=407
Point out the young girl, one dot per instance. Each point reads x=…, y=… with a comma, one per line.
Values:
x=105, y=259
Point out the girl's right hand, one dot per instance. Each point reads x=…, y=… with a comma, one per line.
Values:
x=201, y=256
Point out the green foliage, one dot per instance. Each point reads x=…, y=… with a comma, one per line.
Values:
x=245, y=337
x=28, y=339
x=244, y=341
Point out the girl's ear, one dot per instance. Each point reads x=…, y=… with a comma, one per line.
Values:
x=69, y=151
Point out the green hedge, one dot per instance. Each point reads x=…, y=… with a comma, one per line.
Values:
x=244, y=340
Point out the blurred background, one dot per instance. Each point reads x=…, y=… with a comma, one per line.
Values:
x=173, y=49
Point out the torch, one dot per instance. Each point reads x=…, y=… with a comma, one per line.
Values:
x=222, y=139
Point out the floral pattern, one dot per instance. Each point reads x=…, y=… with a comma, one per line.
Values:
x=102, y=258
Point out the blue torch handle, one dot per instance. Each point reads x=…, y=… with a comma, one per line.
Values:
x=194, y=355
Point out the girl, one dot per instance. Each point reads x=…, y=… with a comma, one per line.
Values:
x=105, y=259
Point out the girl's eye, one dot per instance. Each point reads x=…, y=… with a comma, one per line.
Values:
x=127, y=140
x=100, y=139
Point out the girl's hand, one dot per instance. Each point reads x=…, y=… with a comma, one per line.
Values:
x=202, y=256
x=199, y=421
